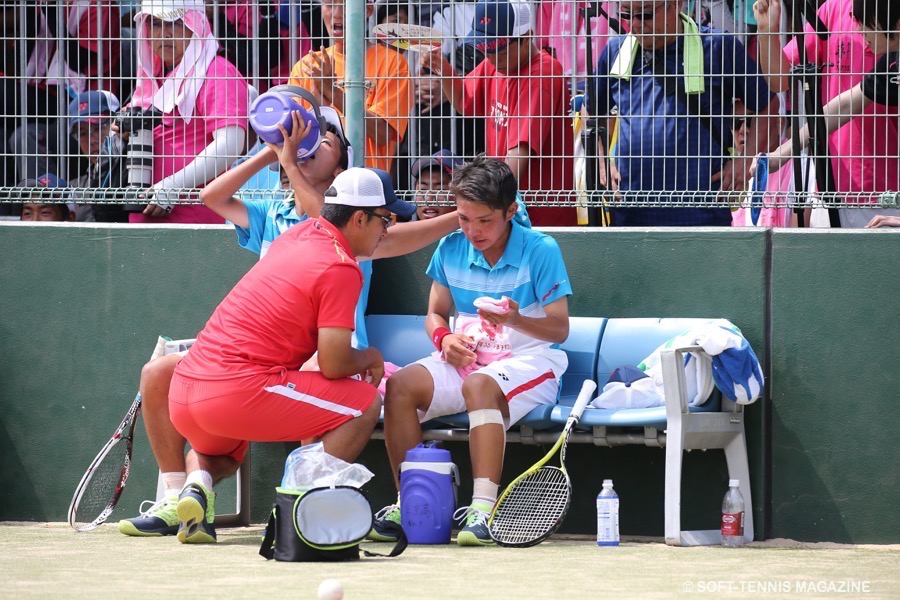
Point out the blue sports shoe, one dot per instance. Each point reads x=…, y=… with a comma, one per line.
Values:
x=475, y=531
x=387, y=527
x=196, y=511
x=160, y=519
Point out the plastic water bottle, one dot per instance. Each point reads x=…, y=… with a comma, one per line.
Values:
x=607, y=515
x=733, y=516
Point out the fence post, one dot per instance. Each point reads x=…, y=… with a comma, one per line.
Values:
x=355, y=78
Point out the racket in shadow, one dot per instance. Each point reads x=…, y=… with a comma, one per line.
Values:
x=100, y=488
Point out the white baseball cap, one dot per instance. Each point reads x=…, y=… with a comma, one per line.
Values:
x=365, y=188
x=169, y=10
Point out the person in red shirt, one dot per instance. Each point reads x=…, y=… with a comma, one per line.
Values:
x=241, y=380
x=521, y=91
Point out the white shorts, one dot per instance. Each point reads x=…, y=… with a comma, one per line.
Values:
x=526, y=380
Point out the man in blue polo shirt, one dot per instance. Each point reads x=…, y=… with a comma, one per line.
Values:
x=497, y=261
x=674, y=85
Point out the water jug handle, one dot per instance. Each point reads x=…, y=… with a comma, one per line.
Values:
x=454, y=472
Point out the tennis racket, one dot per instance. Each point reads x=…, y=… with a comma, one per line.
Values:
x=534, y=505
x=408, y=37
x=100, y=488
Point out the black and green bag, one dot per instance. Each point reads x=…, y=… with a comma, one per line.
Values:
x=323, y=524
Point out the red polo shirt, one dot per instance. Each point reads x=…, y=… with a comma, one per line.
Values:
x=270, y=321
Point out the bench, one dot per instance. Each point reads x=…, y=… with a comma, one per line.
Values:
x=595, y=347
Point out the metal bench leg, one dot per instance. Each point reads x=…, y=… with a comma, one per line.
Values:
x=241, y=518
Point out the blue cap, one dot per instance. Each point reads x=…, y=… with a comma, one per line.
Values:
x=496, y=22
x=444, y=159
x=391, y=202
x=92, y=107
x=47, y=180
x=627, y=374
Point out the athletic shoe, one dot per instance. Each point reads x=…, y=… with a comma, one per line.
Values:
x=160, y=519
x=196, y=510
x=387, y=526
x=475, y=531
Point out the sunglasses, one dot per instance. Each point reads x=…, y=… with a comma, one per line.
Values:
x=643, y=16
x=387, y=221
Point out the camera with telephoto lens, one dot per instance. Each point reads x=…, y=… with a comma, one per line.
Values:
x=138, y=123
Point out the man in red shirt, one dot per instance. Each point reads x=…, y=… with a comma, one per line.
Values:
x=241, y=379
x=521, y=91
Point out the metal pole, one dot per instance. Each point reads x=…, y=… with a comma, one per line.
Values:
x=355, y=77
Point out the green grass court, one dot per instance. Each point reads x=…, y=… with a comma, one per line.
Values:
x=51, y=560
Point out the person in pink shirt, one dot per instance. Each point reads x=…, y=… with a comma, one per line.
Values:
x=864, y=151
x=559, y=22
x=203, y=99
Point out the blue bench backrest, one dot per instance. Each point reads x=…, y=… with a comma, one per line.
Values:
x=401, y=338
x=629, y=341
x=581, y=347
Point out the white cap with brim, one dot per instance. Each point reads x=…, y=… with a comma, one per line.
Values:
x=169, y=10
x=363, y=188
x=640, y=393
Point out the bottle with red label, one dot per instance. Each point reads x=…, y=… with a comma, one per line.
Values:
x=733, y=516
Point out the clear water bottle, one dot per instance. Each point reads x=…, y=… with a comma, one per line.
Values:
x=733, y=516
x=607, y=515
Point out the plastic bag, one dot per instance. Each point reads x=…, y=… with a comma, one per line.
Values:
x=310, y=467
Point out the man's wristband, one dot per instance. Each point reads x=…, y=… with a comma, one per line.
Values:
x=438, y=335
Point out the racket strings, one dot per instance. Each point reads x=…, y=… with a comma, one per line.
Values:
x=533, y=508
x=102, y=486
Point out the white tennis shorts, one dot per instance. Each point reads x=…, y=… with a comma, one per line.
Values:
x=526, y=380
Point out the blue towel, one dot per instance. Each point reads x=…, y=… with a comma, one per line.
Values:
x=758, y=191
x=736, y=370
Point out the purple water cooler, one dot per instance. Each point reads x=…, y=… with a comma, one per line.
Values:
x=428, y=482
x=274, y=108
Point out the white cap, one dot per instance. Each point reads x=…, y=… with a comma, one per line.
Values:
x=365, y=188
x=607, y=482
x=170, y=10
x=333, y=118
x=734, y=482
x=641, y=393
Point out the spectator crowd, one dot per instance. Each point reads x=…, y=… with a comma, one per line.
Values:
x=620, y=112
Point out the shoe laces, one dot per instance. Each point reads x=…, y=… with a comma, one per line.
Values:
x=385, y=512
x=472, y=515
x=156, y=506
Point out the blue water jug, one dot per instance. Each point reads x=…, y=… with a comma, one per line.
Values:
x=428, y=482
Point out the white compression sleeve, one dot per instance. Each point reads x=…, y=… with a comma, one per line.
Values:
x=227, y=146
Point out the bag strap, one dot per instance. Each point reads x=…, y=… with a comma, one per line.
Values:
x=267, y=549
x=673, y=87
x=397, y=550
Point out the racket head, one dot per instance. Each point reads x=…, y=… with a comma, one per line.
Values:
x=416, y=38
x=531, y=508
x=101, y=486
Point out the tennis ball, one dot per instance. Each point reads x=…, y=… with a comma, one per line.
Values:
x=330, y=589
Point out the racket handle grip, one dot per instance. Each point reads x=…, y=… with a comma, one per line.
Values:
x=584, y=396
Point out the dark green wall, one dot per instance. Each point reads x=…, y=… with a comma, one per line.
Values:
x=836, y=385
x=82, y=306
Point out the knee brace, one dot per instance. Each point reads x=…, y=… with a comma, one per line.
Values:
x=485, y=416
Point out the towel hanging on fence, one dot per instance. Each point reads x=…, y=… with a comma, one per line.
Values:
x=692, y=60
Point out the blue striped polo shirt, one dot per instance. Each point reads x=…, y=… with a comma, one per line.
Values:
x=531, y=272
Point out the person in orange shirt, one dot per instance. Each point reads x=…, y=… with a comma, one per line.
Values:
x=389, y=100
